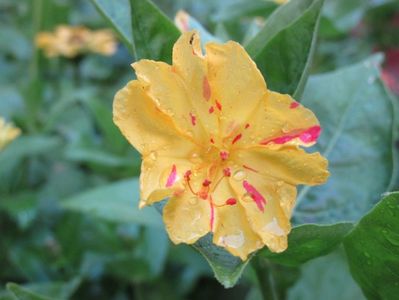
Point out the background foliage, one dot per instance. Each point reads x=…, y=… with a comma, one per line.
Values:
x=69, y=223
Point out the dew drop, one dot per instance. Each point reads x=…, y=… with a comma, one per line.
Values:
x=153, y=155
x=193, y=200
x=285, y=128
x=239, y=175
x=247, y=197
x=195, y=157
x=233, y=240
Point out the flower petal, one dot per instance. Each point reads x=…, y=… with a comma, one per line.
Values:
x=281, y=121
x=235, y=81
x=231, y=229
x=270, y=221
x=291, y=165
x=171, y=95
x=144, y=125
x=190, y=65
x=161, y=177
x=187, y=218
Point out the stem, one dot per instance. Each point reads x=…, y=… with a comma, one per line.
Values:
x=266, y=282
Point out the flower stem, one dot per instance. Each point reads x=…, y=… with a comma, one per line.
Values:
x=266, y=282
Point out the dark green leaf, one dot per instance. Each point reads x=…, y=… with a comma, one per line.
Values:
x=117, y=202
x=307, y=242
x=284, y=48
x=21, y=293
x=153, y=33
x=117, y=13
x=357, y=118
x=373, y=250
x=49, y=290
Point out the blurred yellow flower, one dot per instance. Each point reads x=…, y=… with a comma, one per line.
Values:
x=71, y=41
x=220, y=145
x=7, y=133
x=281, y=1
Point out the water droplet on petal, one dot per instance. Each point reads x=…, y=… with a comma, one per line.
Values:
x=153, y=155
x=239, y=175
x=233, y=241
x=193, y=200
x=285, y=128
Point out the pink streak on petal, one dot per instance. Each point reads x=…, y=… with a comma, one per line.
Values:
x=193, y=119
x=310, y=135
x=237, y=138
x=255, y=195
x=172, y=177
x=294, y=104
x=307, y=136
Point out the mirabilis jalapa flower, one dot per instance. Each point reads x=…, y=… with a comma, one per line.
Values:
x=71, y=41
x=8, y=133
x=219, y=145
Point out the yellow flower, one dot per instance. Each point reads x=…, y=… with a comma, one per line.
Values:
x=220, y=145
x=7, y=133
x=281, y=1
x=71, y=41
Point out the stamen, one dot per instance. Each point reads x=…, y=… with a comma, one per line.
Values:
x=212, y=141
x=224, y=155
x=206, y=182
x=249, y=168
x=247, y=126
x=231, y=201
x=187, y=177
x=211, y=110
x=227, y=172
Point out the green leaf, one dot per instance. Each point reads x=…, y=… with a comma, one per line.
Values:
x=116, y=202
x=48, y=290
x=307, y=242
x=326, y=278
x=226, y=267
x=153, y=33
x=357, y=118
x=117, y=13
x=373, y=250
x=283, y=49
x=21, y=293
x=145, y=30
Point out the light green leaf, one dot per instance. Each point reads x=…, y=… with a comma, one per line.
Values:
x=283, y=49
x=373, y=250
x=117, y=13
x=226, y=267
x=307, y=242
x=357, y=118
x=116, y=202
x=153, y=33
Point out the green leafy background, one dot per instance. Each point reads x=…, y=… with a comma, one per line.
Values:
x=69, y=222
